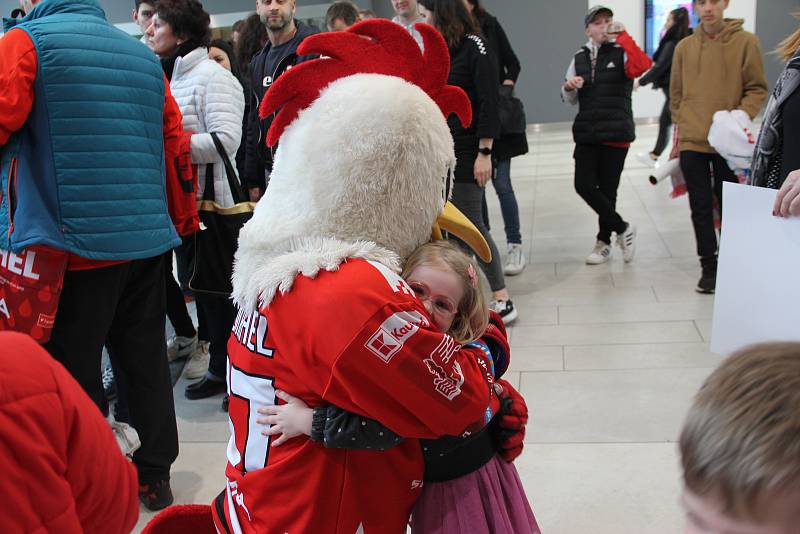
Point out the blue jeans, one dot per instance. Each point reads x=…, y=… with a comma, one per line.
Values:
x=508, y=202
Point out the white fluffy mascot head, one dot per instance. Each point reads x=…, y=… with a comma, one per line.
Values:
x=364, y=163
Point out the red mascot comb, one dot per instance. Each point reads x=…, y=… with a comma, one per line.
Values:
x=371, y=47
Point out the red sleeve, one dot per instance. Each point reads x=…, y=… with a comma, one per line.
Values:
x=638, y=62
x=418, y=382
x=62, y=468
x=181, y=181
x=103, y=481
x=17, y=74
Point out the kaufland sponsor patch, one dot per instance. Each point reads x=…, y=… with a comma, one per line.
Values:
x=390, y=337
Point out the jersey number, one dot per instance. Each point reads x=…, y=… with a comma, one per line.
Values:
x=248, y=448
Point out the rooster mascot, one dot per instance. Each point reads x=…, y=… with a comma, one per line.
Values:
x=361, y=178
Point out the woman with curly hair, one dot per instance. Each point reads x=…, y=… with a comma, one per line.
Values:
x=211, y=101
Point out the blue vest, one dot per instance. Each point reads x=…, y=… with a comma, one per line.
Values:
x=85, y=173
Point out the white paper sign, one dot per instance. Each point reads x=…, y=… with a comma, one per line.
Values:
x=758, y=279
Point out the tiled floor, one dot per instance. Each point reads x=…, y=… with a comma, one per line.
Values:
x=607, y=356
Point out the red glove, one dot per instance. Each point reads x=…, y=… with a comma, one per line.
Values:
x=508, y=426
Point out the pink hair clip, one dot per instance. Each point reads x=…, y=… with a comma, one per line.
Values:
x=473, y=276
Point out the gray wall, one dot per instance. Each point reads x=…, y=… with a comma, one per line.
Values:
x=773, y=24
x=545, y=34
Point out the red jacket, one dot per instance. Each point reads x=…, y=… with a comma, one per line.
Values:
x=359, y=339
x=18, y=67
x=62, y=470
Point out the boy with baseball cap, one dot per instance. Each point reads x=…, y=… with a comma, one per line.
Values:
x=600, y=80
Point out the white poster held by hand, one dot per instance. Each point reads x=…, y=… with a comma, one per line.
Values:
x=758, y=279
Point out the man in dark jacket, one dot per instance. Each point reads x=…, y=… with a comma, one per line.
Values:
x=279, y=54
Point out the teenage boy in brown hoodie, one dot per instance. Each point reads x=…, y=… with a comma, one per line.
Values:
x=717, y=68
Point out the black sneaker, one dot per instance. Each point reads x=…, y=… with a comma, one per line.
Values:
x=156, y=496
x=707, y=284
x=506, y=310
x=708, y=278
x=225, y=402
x=205, y=388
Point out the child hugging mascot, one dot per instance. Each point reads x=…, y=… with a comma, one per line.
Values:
x=360, y=180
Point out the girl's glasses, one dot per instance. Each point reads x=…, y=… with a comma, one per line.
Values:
x=441, y=305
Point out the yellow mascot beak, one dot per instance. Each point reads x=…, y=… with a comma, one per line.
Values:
x=453, y=221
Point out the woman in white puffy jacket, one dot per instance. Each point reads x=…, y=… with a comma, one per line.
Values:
x=211, y=101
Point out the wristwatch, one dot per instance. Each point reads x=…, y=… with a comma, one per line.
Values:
x=486, y=151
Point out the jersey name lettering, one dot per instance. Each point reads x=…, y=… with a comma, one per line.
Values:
x=250, y=329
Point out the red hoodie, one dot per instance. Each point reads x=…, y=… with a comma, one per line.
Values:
x=62, y=469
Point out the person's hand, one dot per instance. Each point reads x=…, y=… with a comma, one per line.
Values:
x=255, y=194
x=508, y=82
x=787, y=203
x=576, y=82
x=289, y=420
x=483, y=169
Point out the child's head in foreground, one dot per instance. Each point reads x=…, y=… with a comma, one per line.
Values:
x=740, y=445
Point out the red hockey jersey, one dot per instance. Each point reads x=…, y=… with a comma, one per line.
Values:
x=357, y=338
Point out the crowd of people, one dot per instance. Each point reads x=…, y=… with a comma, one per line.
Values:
x=187, y=123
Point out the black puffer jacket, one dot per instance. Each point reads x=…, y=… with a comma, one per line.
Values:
x=606, y=113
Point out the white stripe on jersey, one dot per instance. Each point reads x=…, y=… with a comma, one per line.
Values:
x=258, y=392
x=234, y=522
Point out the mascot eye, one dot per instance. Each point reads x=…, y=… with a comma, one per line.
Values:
x=447, y=184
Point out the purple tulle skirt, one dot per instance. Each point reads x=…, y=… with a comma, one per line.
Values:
x=490, y=500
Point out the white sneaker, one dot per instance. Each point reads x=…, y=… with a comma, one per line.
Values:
x=180, y=347
x=506, y=310
x=601, y=253
x=627, y=242
x=197, y=365
x=646, y=158
x=515, y=261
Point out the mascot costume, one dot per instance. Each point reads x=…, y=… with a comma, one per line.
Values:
x=361, y=178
